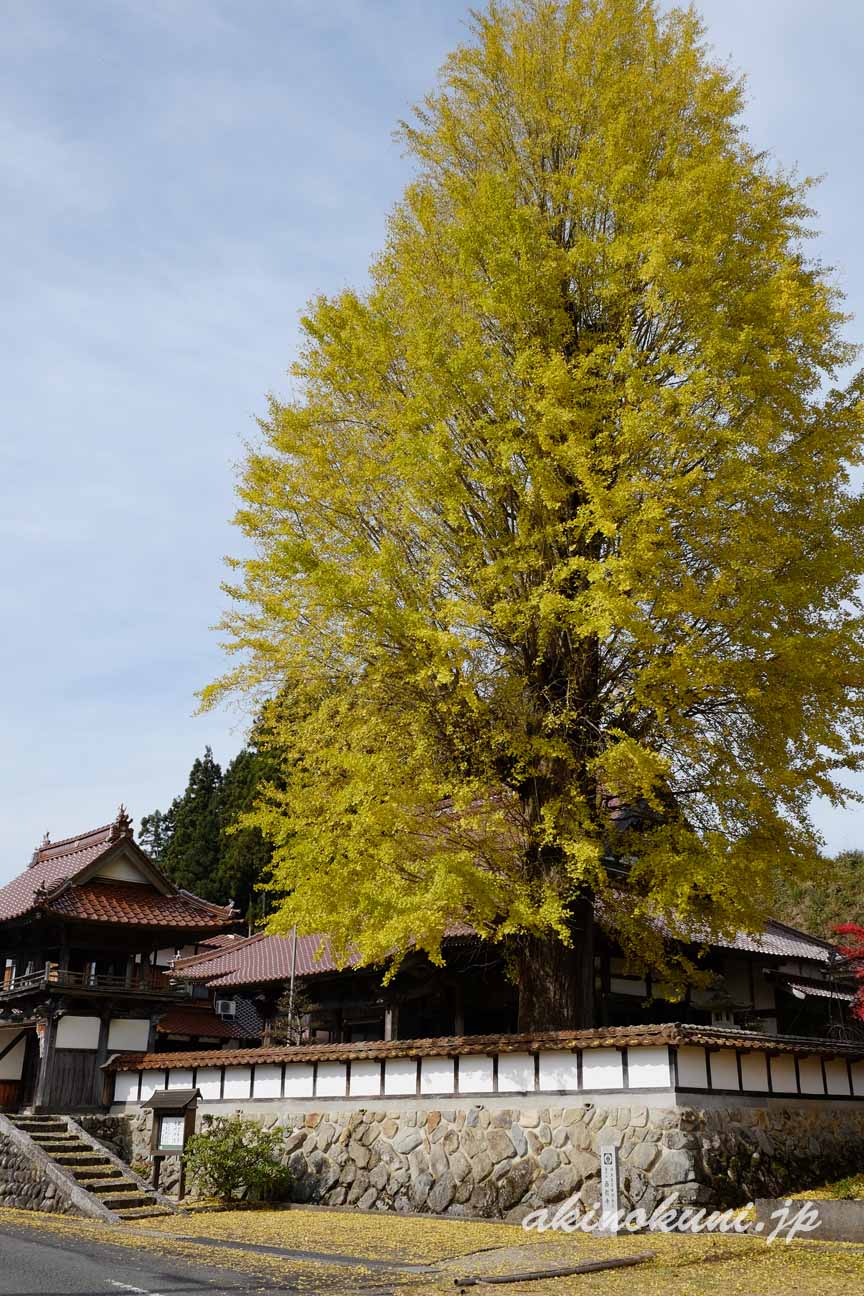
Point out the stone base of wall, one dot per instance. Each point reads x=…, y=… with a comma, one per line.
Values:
x=503, y=1163
x=26, y=1186
x=113, y=1132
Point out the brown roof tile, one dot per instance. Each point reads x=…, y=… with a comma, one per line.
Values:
x=197, y=1022
x=135, y=903
x=265, y=957
x=610, y=1037
x=49, y=883
x=52, y=864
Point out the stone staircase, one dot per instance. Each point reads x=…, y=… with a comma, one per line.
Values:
x=93, y=1168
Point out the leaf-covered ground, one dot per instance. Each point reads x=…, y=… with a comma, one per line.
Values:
x=853, y=1186
x=682, y=1266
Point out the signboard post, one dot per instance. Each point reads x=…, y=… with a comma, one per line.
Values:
x=609, y=1186
x=173, y=1123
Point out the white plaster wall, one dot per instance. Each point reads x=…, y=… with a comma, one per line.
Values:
x=476, y=1075
x=810, y=1071
x=179, y=1079
x=754, y=1072
x=602, y=1068
x=12, y=1065
x=648, y=1068
x=723, y=1069
x=515, y=1073
x=299, y=1079
x=238, y=1082
x=783, y=1074
x=559, y=1070
x=365, y=1079
x=332, y=1080
x=837, y=1075
x=267, y=1082
x=400, y=1077
x=77, y=1032
x=692, y=1068
x=209, y=1081
x=150, y=1082
x=437, y=1076
x=126, y=1087
x=128, y=1035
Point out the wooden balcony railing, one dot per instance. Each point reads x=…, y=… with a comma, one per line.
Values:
x=50, y=977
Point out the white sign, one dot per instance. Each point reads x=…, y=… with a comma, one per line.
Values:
x=609, y=1186
x=171, y=1130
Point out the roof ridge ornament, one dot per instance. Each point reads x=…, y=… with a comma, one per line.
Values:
x=37, y=854
x=122, y=825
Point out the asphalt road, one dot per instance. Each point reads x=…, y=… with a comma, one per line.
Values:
x=34, y=1264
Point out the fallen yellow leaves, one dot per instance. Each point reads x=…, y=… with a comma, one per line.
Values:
x=682, y=1266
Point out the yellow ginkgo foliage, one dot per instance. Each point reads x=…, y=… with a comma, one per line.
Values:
x=555, y=554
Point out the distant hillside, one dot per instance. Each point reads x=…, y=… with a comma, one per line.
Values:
x=834, y=895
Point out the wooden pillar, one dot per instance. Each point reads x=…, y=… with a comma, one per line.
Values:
x=101, y=1056
x=42, y=1094
x=391, y=1022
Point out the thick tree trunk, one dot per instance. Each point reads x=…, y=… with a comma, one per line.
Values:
x=556, y=981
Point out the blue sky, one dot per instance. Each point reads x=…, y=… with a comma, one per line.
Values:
x=178, y=178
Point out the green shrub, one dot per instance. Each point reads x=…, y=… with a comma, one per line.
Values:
x=235, y=1158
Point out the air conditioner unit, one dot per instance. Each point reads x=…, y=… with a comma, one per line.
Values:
x=226, y=1008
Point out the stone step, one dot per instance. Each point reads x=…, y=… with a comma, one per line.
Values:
x=101, y=1187
x=34, y=1125
x=143, y=1212
x=100, y=1173
x=117, y=1185
x=88, y=1158
x=126, y=1201
x=53, y=1145
x=80, y=1149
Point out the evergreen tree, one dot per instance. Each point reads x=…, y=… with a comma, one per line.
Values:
x=156, y=830
x=200, y=841
x=244, y=852
x=833, y=895
x=560, y=520
x=191, y=855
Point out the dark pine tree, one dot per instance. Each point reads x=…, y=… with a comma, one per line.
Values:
x=244, y=854
x=156, y=830
x=191, y=855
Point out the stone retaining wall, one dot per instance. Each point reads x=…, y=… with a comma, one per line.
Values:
x=27, y=1183
x=502, y=1163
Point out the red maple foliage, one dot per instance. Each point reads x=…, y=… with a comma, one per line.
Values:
x=854, y=950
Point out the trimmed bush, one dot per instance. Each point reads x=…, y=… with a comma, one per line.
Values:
x=235, y=1159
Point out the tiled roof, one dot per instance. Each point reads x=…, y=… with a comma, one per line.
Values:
x=265, y=958
x=52, y=864
x=197, y=1021
x=49, y=883
x=135, y=903
x=219, y=941
x=610, y=1037
x=259, y=959
x=820, y=991
x=782, y=942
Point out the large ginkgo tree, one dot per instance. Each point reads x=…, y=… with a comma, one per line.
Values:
x=554, y=555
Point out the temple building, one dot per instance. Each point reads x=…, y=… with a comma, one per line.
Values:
x=88, y=933
x=782, y=982
x=101, y=955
